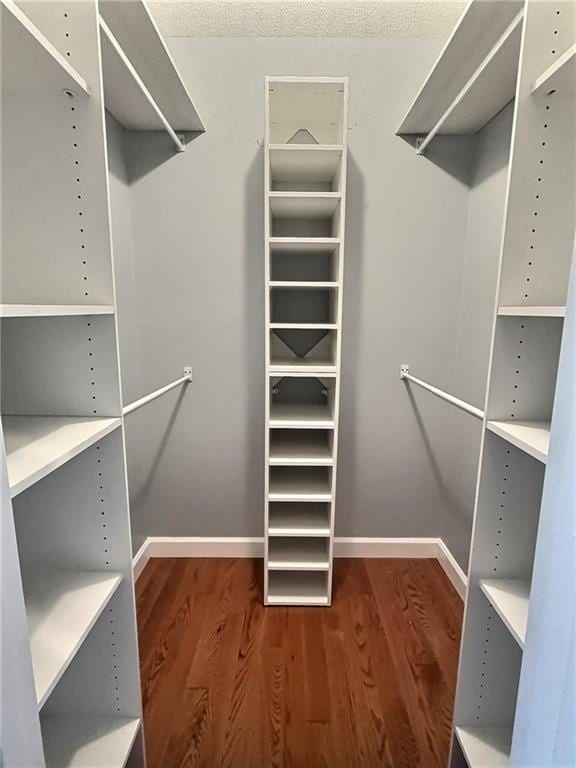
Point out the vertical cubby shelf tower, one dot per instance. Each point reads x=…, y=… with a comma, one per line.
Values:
x=305, y=199
x=528, y=326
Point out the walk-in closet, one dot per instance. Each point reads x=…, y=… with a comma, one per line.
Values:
x=288, y=384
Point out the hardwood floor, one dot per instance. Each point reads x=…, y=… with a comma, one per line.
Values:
x=367, y=682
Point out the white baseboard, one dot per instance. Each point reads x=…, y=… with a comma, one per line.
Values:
x=452, y=569
x=241, y=546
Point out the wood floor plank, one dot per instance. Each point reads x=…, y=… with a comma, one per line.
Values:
x=227, y=683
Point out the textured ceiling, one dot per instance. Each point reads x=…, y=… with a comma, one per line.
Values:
x=306, y=18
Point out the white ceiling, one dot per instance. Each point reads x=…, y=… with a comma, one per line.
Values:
x=306, y=18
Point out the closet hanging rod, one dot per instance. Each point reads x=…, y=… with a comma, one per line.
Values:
x=162, y=391
x=406, y=376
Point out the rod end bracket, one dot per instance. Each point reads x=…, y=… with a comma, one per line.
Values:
x=404, y=371
x=188, y=372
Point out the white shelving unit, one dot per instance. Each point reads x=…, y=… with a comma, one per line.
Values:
x=535, y=261
x=474, y=76
x=305, y=182
x=67, y=587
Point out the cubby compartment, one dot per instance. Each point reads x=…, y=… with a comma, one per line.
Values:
x=92, y=716
x=303, y=348
x=298, y=518
x=300, y=263
x=304, y=447
x=291, y=305
x=305, y=214
x=52, y=148
x=487, y=701
x=302, y=402
x=300, y=484
x=305, y=168
x=307, y=111
x=72, y=549
x=298, y=554
x=73, y=359
x=298, y=588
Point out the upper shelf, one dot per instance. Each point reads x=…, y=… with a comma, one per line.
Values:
x=54, y=310
x=474, y=76
x=561, y=76
x=137, y=34
x=125, y=94
x=40, y=65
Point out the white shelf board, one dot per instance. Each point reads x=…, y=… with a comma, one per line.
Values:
x=305, y=326
x=304, y=162
x=86, y=742
x=485, y=747
x=61, y=608
x=488, y=91
x=300, y=416
x=304, y=244
x=298, y=488
x=54, y=310
x=136, y=31
x=314, y=365
x=37, y=445
x=125, y=95
x=510, y=598
x=561, y=76
x=526, y=311
x=329, y=284
x=307, y=205
x=532, y=437
x=298, y=555
x=294, y=519
x=289, y=588
x=478, y=30
x=300, y=448
x=23, y=40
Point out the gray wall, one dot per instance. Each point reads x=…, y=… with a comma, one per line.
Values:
x=198, y=291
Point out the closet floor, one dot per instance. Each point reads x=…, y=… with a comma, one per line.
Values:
x=226, y=682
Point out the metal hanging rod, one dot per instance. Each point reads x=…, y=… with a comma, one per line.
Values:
x=162, y=391
x=405, y=375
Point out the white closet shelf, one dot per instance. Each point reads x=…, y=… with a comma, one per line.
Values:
x=30, y=45
x=298, y=555
x=304, y=244
x=560, y=77
x=313, y=365
x=305, y=326
x=304, y=162
x=329, y=284
x=300, y=448
x=37, y=445
x=137, y=33
x=289, y=588
x=54, y=310
x=488, y=91
x=88, y=741
x=475, y=74
x=487, y=747
x=532, y=437
x=125, y=95
x=300, y=416
x=307, y=205
x=61, y=608
x=286, y=519
x=526, y=311
x=298, y=488
x=510, y=598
